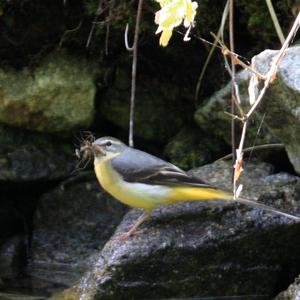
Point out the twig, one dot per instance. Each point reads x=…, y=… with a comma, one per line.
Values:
x=238, y=166
x=212, y=49
x=275, y=21
x=134, y=66
x=255, y=148
x=99, y=11
x=67, y=32
x=258, y=131
x=269, y=78
x=235, y=56
x=272, y=72
x=234, y=90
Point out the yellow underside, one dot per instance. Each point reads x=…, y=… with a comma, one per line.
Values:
x=197, y=193
x=132, y=195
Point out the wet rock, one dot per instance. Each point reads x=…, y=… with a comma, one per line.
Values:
x=71, y=224
x=279, y=110
x=199, y=249
x=12, y=258
x=292, y=293
x=28, y=156
x=56, y=96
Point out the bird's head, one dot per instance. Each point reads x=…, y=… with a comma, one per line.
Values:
x=107, y=147
x=102, y=148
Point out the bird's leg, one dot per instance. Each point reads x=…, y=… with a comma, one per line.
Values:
x=146, y=214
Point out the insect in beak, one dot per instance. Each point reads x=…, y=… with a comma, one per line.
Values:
x=97, y=149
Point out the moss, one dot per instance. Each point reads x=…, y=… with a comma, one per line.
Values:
x=256, y=16
x=192, y=148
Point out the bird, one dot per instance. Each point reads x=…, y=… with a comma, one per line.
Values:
x=141, y=180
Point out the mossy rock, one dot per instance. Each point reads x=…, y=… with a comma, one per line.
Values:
x=56, y=96
x=277, y=115
x=192, y=148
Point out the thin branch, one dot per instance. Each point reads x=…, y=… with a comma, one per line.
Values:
x=269, y=78
x=238, y=166
x=134, y=67
x=275, y=21
x=254, y=149
x=221, y=29
x=272, y=72
x=99, y=12
x=67, y=32
x=235, y=56
x=234, y=89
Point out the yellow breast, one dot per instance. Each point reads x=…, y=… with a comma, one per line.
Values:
x=137, y=195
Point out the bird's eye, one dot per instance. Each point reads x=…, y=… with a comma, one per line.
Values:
x=108, y=144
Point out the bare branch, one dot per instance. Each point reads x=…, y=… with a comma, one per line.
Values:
x=272, y=72
x=254, y=149
x=269, y=78
x=134, y=67
x=221, y=29
x=68, y=32
x=235, y=56
x=275, y=21
x=234, y=89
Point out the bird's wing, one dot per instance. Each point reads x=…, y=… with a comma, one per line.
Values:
x=138, y=166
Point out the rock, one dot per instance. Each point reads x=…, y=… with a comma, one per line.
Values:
x=279, y=110
x=71, y=223
x=292, y=293
x=191, y=148
x=27, y=156
x=12, y=258
x=56, y=96
x=199, y=249
x=159, y=112
x=11, y=296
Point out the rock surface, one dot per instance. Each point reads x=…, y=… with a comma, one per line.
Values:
x=56, y=96
x=71, y=223
x=27, y=156
x=292, y=293
x=280, y=107
x=198, y=249
x=191, y=148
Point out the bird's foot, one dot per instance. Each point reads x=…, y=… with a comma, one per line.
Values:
x=133, y=230
x=125, y=235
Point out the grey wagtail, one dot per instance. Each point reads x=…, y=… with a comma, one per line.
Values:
x=142, y=180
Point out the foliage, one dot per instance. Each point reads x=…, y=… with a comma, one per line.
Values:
x=171, y=15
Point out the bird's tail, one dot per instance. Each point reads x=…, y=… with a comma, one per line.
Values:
x=267, y=208
x=207, y=193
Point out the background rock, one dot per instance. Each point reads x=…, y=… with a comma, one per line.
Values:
x=279, y=109
x=292, y=293
x=56, y=96
x=27, y=156
x=159, y=112
x=191, y=148
x=12, y=258
x=198, y=249
x=71, y=224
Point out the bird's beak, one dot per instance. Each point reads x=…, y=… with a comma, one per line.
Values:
x=98, y=149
